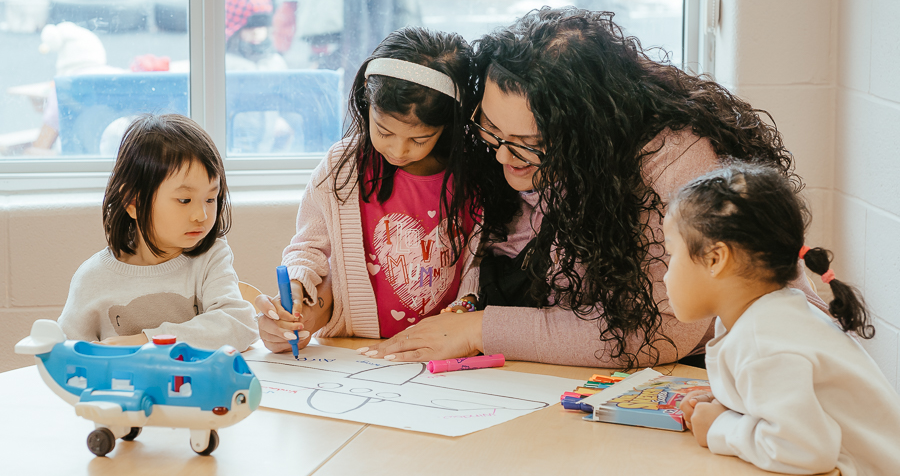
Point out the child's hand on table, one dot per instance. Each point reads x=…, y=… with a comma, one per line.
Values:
x=277, y=326
x=137, y=339
x=691, y=400
x=703, y=417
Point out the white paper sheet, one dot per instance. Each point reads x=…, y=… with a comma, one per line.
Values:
x=340, y=383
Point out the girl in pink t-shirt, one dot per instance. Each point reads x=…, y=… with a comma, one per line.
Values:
x=373, y=231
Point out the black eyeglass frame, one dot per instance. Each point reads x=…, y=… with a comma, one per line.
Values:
x=511, y=146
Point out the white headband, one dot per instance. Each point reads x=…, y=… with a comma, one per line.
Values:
x=414, y=73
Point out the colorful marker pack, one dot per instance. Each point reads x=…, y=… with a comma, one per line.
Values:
x=647, y=398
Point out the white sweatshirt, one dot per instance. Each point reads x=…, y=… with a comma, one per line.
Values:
x=804, y=397
x=196, y=299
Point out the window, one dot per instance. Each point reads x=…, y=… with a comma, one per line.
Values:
x=267, y=79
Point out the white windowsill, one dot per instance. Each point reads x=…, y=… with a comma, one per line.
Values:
x=90, y=174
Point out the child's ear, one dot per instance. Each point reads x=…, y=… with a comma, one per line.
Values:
x=131, y=210
x=718, y=258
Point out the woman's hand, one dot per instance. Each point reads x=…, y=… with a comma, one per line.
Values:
x=690, y=401
x=136, y=339
x=703, y=417
x=445, y=336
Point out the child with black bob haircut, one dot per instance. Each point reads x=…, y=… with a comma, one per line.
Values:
x=167, y=268
x=792, y=392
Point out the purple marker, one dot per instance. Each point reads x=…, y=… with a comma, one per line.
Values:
x=466, y=363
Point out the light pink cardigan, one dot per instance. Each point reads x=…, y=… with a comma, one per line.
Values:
x=329, y=238
x=554, y=335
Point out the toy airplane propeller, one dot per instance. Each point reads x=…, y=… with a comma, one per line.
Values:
x=125, y=388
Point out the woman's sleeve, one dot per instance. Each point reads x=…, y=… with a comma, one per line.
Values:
x=306, y=257
x=556, y=336
x=785, y=430
x=226, y=318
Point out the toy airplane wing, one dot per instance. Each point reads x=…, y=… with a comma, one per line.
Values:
x=44, y=335
x=115, y=405
x=98, y=411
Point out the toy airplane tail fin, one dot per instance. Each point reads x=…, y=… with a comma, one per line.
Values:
x=44, y=335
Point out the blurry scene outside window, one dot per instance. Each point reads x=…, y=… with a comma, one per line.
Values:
x=324, y=43
x=76, y=72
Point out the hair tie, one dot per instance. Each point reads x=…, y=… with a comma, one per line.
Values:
x=414, y=73
x=828, y=276
x=803, y=250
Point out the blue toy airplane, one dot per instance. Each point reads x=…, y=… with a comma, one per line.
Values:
x=122, y=389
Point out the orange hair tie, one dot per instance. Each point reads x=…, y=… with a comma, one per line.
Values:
x=828, y=276
x=803, y=250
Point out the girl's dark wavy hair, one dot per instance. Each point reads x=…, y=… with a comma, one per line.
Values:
x=755, y=210
x=445, y=52
x=154, y=148
x=598, y=99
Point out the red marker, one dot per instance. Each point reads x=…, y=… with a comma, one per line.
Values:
x=466, y=363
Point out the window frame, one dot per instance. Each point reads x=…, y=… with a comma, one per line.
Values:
x=206, y=38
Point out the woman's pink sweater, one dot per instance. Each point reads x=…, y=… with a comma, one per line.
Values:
x=557, y=336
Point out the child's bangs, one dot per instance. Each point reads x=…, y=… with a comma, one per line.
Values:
x=178, y=159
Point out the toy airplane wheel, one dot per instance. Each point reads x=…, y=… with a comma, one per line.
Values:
x=135, y=431
x=210, y=447
x=101, y=441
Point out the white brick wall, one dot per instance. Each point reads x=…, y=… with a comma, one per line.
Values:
x=867, y=166
x=778, y=56
x=828, y=71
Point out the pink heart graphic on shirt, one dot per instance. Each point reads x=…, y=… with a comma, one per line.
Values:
x=412, y=319
x=397, y=315
x=373, y=257
x=412, y=260
x=373, y=268
x=432, y=213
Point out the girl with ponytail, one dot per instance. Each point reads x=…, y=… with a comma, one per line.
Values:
x=792, y=392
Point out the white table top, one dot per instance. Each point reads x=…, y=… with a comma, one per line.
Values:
x=42, y=435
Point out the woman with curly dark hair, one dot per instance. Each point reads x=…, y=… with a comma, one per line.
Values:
x=580, y=138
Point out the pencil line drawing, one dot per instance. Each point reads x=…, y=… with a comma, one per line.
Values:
x=343, y=398
x=340, y=383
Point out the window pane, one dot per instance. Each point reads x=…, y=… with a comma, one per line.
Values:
x=76, y=72
x=274, y=107
x=290, y=63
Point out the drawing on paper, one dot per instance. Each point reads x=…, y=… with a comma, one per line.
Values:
x=342, y=395
x=340, y=383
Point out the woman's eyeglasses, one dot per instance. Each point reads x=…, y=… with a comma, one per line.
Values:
x=526, y=154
